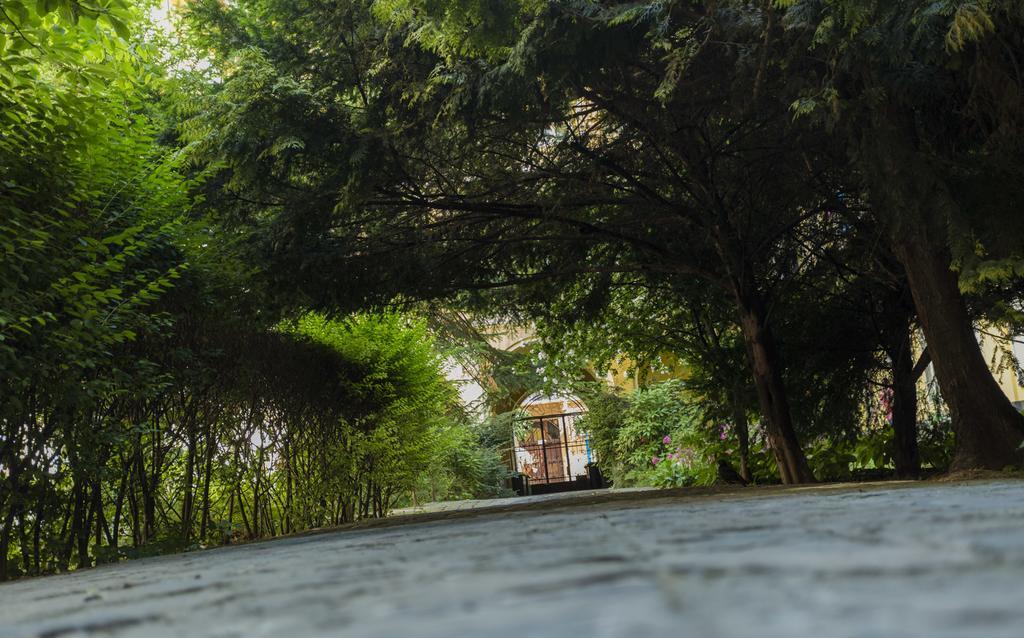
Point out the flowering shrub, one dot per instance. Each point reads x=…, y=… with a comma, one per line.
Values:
x=657, y=437
x=651, y=417
x=681, y=464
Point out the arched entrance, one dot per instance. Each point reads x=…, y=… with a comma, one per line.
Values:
x=549, y=449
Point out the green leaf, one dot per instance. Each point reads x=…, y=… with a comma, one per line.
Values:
x=119, y=27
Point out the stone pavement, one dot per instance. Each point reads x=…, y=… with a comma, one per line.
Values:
x=928, y=559
x=518, y=502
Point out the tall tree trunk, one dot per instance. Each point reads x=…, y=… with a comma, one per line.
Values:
x=211, y=446
x=148, y=500
x=904, y=396
x=78, y=529
x=742, y=425
x=122, y=489
x=37, y=542
x=84, y=560
x=186, y=501
x=153, y=481
x=918, y=199
x=288, y=485
x=256, y=500
x=64, y=557
x=771, y=391
x=231, y=518
x=989, y=431
x=99, y=521
x=5, y=542
x=26, y=558
x=133, y=510
x=245, y=520
x=237, y=490
x=9, y=489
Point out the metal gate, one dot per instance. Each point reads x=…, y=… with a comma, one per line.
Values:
x=549, y=449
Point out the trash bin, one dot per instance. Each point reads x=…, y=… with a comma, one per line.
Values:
x=520, y=484
x=596, y=478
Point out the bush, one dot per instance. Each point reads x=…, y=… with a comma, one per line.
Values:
x=605, y=414
x=685, y=462
x=650, y=438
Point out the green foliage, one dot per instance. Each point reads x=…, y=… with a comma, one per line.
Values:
x=401, y=417
x=96, y=191
x=719, y=191
x=681, y=467
x=147, y=402
x=650, y=437
x=93, y=212
x=604, y=418
x=936, y=439
x=653, y=413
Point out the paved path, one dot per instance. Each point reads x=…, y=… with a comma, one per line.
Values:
x=531, y=502
x=931, y=560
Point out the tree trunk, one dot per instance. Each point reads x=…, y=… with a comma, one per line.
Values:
x=186, y=501
x=122, y=489
x=100, y=521
x=148, y=501
x=771, y=392
x=237, y=490
x=904, y=399
x=231, y=519
x=288, y=485
x=739, y=420
x=37, y=538
x=9, y=492
x=78, y=534
x=5, y=542
x=88, y=508
x=26, y=558
x=257, y=504
x=63, y=561
x=989, y=431
x=211, y=447
x=133, y=510
x=245, y=519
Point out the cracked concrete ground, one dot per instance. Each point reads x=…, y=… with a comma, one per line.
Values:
x=928, y=559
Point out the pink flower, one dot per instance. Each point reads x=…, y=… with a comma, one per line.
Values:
x=655, y=460
x=667, y=440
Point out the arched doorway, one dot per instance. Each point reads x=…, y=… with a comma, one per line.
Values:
x=549, y=449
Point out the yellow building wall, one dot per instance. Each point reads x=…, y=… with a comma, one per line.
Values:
x=994, y=349
x=994, y=343
x=628, y=375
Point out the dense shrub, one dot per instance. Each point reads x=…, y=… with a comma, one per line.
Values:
x=651, y=437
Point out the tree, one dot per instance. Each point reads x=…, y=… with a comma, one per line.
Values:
x=150, y=397
x=89, y=210
x=564, y=143
x=927, y=96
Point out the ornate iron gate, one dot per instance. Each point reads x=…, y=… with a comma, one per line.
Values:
x=549, y=449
